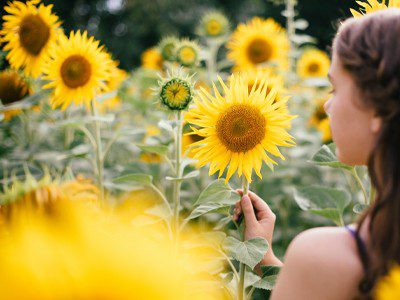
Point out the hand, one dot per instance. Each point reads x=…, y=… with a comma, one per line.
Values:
x=259, y=222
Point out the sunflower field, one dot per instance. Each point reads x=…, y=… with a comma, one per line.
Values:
x=121, y=184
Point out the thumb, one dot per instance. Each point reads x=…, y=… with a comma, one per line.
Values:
x=248, y=211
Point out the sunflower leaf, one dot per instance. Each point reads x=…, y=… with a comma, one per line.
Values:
x=249, y=252
x=218, y=192
x=158, y=149
x=326, y=157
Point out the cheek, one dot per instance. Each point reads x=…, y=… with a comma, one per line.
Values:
x=350, y=131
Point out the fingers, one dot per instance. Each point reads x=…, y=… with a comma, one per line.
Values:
x=237, y=211
x=248, y=211
x=263, y=209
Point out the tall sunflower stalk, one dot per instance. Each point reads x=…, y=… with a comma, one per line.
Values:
x=178, y=173
x=99, y=161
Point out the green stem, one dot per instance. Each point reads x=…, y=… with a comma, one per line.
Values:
x=178, y=173
x=359, y=182
x=291, y=30
x=242, y=266
x=211, y=61
x=99, y=152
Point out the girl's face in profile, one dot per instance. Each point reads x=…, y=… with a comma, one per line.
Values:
x=354, y=127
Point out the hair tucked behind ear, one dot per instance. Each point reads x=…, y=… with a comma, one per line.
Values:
x=369, y=49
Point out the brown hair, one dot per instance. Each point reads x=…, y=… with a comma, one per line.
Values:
x=369, y=49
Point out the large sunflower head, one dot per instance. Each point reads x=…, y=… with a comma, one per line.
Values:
x=29, y=31
x=187, y=53
x=259, y=43
x=78, y=70
x=176, y=91
x=388, y=288
x=239, y=128
x=313, y=63
x=213, y=24
x=152, y=59
x=370, y=6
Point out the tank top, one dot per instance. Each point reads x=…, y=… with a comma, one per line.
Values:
x=365, y=285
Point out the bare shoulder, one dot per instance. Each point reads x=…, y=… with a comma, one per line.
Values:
x=320, y=263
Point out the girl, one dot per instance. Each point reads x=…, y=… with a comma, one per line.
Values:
x=345, y=263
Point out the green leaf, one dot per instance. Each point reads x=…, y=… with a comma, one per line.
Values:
x=266, y=283
x=187, y=176
x=323, y=201
x=204, y=209
x=218, y=192
x=326, y=157
x=270, y=270
x=249, y=252
x=142, y=179
x=159, y=149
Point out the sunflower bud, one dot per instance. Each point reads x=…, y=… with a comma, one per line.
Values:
x=176, y=92
x=167, y=48
x=188, y=53
x=213, y=24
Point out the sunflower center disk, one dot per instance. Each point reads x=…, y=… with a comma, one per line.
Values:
x=241, y=128
x=187, y=55
x=12, y=89
x=313, y=68
x=213, y=27
x=75, y=71
x=33, y=34
x=176, y=94
x=259, y=51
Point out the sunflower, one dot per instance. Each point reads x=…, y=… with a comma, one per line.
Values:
x=373, y=5
x=188, y=139
x=43, y=194
x=313, y=63
x=78, y=70
x=187, y=53
x=152, y=59
x=319, y=120
x=388, y=288
x=167, y=48
x=239, y=128
x=13, y=88
x=213, y=24
x=29, y=31
x=176, y=91
x=259, y=42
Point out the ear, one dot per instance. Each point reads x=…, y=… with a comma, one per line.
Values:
x=376, y=124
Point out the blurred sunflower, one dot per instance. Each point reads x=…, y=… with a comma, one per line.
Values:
x=187, y=53
x=239, y=128
x=167, y=47
x=319, y=120
x=313, y=63
x=388, y=288
x=29, y=31
x=213, y=24
x=13, y=87
x=152, y=59
x=78, y=70
x=41, y=195
x=258, y=43
x=88, y=253
x=373, y=5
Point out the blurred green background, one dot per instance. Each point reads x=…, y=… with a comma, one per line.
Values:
x=128, y=27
